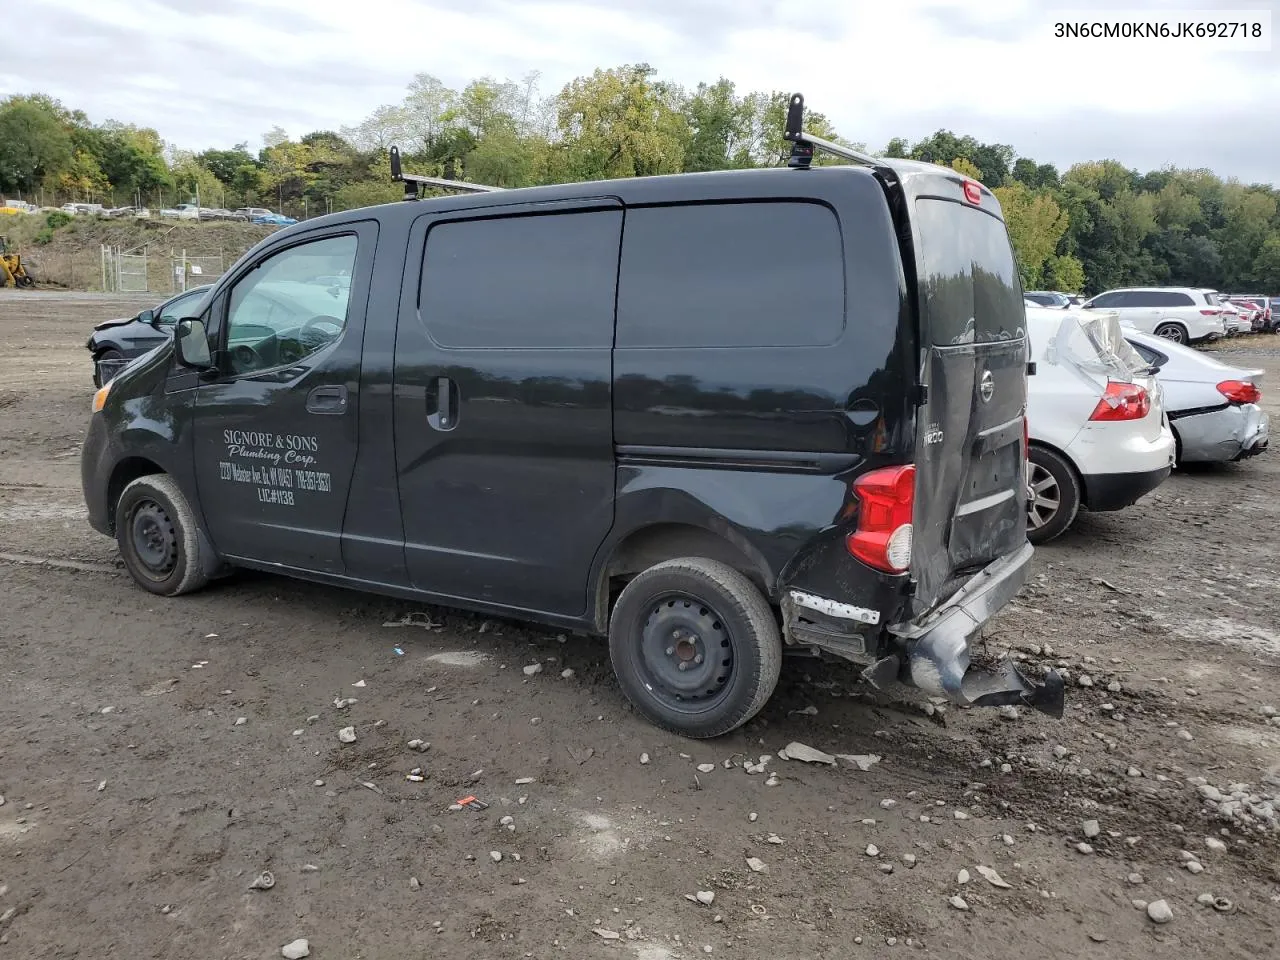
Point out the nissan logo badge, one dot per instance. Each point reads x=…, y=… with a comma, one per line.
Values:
x=987, y=386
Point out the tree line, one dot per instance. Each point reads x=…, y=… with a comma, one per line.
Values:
x=1095, y=226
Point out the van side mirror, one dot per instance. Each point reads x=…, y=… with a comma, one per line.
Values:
x=192, y=345
x=148, y=317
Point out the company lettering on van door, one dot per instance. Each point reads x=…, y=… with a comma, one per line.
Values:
x=277, y=464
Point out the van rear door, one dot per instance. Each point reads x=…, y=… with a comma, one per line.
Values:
x=970, y=497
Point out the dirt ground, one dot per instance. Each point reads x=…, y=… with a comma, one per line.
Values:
x=139, y=807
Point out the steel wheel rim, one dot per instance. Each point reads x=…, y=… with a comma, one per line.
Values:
x=154, y=540
x=687, y=654
x=1046, y=497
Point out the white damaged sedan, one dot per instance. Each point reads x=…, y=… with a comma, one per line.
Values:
x=1212, y=407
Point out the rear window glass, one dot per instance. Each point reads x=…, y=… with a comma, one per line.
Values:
x=1212, y=300
x=969, y=283
x=731, y=275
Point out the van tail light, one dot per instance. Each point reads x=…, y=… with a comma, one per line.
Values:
x=1240, y=391
x=1122, y=401
x=886, y=499
x=972, y=192
x=1211, y=313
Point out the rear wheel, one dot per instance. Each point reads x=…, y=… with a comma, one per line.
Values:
x=1173, y=331
x=1054, y=498
x=158, y=538
x=695, y=646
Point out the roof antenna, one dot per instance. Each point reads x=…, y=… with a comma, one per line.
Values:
x=413, y=181
x=804, y=144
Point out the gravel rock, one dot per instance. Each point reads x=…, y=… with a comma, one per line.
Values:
x=959, y=903
x=296, y=950
x=706, y=767
x=644, y=758
x=886, y=868
x=347, y=734
x=1084, y=848
x=1091, y=828
x=706, y=897
x=888, y=804
x=1007, y=712
x=1206, y=899
x=1114, y=687
x=1268, y=711
x=873, y=850
x=1185, y=735
x=909, y=859
x=1060, y=751
x=1136, y=879
x=961, y=815
x=1159, y=911
x=993, y=878
x=533, y=669
x=566, y=673
x=753, y=817
x=495, y=856
x=415, y=883
x=1085, y=680
x=1134, y=772
x=1195, y=866
x=757, y=865
x=1214, y=844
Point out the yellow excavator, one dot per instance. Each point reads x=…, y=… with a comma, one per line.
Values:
x=12, y=272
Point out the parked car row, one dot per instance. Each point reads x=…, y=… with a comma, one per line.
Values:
x=183, y=211
x=1112, y=409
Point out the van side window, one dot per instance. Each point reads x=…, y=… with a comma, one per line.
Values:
x=731, y=275
x=292, y=305
x=546, y=280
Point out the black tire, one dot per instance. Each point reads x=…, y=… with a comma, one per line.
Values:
x=694, y=607
x=1057, y=496
x=1175, y=332
x=26, y=281
x=158, y=537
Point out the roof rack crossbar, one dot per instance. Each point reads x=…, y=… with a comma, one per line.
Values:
x=803, y=144
x=412, y=181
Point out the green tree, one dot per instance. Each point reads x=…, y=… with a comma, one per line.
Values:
x=619, y=123
x=223, y=164
x=1036, y=224
x=34, y=143
x=1266, y=266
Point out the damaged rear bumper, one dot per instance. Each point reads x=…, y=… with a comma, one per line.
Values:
x=934, y=653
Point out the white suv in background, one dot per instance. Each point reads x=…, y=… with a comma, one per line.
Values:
x=1181, y=314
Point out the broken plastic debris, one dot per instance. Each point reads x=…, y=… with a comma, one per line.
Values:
x=471, y=802
x=414, y=620
x=359, y=683
x=263, y=881
x=805, y=754
x=993, y=878
x=863, y=761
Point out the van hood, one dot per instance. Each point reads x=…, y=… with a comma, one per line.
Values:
x=117, y=322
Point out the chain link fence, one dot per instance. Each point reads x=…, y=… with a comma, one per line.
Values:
x=124, y=271
x=189, y=271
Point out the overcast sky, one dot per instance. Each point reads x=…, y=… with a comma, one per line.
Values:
x=214, y=74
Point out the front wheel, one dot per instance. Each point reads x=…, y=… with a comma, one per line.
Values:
x=695, y=646
x=158, y=538
x=1173, y=331
x=1054, y=497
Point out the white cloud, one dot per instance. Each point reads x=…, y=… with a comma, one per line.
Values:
x=215, y=77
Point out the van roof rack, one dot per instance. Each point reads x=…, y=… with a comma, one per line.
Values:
x=412, y=181
x=803, y=144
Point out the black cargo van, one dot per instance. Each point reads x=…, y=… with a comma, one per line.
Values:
x=709, y=416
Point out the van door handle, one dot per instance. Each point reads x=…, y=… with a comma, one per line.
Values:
x=442, y=404
x=327, y=400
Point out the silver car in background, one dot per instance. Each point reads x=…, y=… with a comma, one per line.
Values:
x=1212, y=407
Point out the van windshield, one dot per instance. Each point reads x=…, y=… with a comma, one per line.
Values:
x=969, y=285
